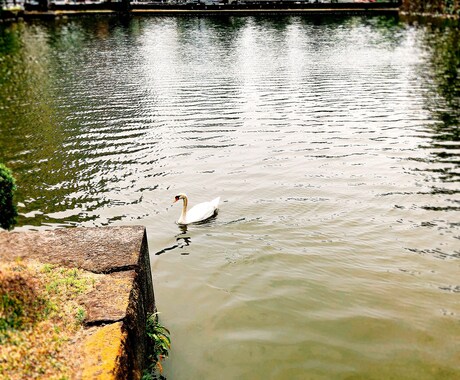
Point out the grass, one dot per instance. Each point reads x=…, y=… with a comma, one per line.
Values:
x=39, y=317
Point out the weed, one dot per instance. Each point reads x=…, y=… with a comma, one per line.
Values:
x=160, y=344
x=47, y=268
x=66, y=280
x=80, y=315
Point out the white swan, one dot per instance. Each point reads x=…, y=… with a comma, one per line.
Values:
x=198, y=212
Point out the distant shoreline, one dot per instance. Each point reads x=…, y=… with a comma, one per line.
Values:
x=241, y=8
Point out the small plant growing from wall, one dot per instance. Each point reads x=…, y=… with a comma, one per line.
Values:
x=159, y=344
x=8, y=211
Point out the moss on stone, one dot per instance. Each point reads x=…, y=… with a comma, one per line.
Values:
x=101, y=351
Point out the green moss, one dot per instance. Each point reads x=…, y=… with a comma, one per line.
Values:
x=65, y=281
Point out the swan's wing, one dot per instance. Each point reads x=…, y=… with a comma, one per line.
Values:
x=202, y=211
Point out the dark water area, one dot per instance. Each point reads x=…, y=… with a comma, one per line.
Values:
x=433, y=7
x=333, y=143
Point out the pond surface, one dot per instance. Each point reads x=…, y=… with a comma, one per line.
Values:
x=333, y=143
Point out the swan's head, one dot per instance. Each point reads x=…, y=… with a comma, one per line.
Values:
x=179, y=196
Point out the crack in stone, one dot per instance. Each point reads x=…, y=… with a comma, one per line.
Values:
x=124, y=268
x=101, y=322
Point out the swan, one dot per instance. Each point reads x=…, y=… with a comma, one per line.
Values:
x=198, y=212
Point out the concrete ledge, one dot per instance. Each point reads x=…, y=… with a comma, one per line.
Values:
x=114, y=346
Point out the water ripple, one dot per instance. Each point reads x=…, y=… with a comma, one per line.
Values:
x=332, y=142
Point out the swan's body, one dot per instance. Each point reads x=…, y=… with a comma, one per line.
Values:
x=198, y=212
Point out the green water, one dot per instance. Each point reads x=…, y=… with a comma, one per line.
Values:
x=333, y=143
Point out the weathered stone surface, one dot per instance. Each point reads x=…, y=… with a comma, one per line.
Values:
x=101, y=352
x=109, y=301
x=98, y=250
x=117, y=309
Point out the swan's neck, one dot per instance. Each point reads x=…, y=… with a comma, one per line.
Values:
x=184, y=210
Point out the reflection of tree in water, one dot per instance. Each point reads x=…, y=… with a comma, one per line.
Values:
x=28, y=133
x=443, y=77
x=432, y=6
x=50, y=81
x=446, y=65
x=440, y=74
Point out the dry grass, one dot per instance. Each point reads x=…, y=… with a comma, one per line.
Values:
x=40, y=319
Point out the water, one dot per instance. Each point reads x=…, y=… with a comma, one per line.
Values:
x=333, y=142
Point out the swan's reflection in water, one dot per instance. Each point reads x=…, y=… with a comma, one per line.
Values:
x=182, y=240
